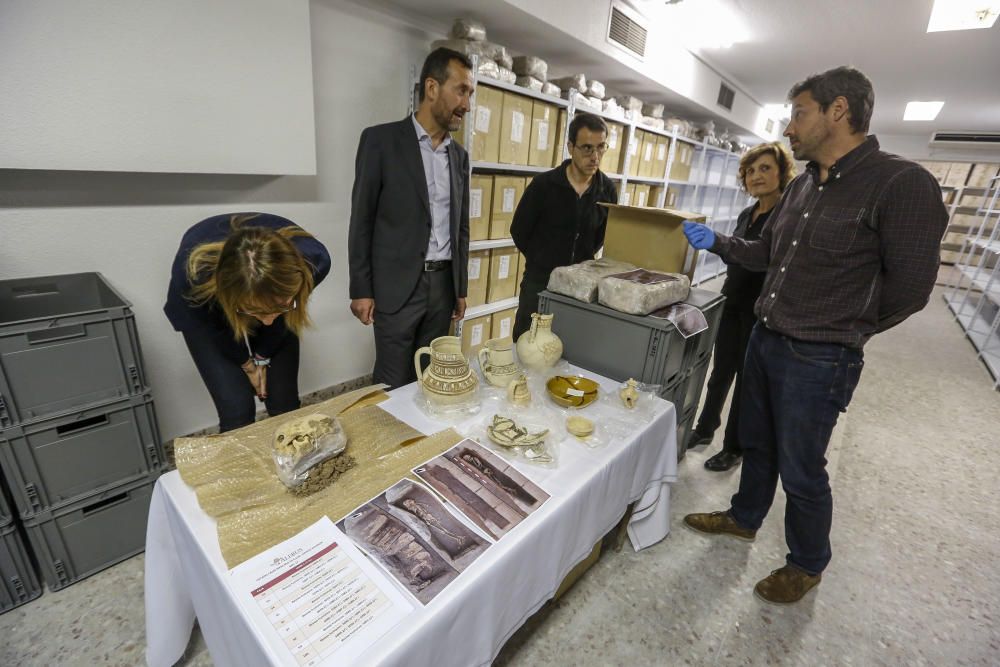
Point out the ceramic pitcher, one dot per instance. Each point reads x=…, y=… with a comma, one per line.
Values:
x=539, y=348
x=448, y=378
x=496, y=360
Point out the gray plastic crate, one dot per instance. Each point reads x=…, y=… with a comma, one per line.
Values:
x=6, y=513
x=615, y=344
x=73, y=542
x=694, y=386
x=20, y=584
x=65, y=341
x=65, y=459
x=699, y=348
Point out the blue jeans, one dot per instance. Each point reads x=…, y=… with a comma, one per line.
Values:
x=793, y=392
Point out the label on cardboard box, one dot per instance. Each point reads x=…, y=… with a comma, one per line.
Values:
x=633, y=146
x=504, y=267
x=508, y=200
x=649, y=152
x=641, y=196
x=477, y=334
x=517, y=127
x=505, y=327
x=482, y=119
x=613, y=137
x=626, y=198
x=661, y=152
x=476, y=203
x=543, y=135
x=475, y=267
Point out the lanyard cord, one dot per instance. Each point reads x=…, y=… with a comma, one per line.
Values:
x=260, y=373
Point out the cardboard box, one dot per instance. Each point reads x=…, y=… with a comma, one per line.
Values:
x=660, y=150
x=474, y=332
x=938, y=169
x=641, y=197
x=981, y=174
x=503, y=274
x=632, y=150
x=544, y=125
x=521, y=263
x=479, y=277
x=957, y=173
x=578, y=570
x=627, y=197
x=503, y=323
x=480, y=206
x=611, y=163
x=562, y=133
x=651, y=238
x=647, y=151
x=507, y=191
x=680, y=168
x=515, y=129
x=485, y=116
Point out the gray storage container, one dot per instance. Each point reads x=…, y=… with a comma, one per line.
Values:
x=75, y=541
x=65, y=459
x=693, y=387
x=6, y=511
x=65, y=341
x=622, y=346
x=20, y=584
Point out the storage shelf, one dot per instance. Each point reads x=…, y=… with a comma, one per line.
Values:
x=646, y=180
x=521, y=90
x=980, y=282
x=991, y=246
x=490, y=308
x=515, y=168
x=622, y=120
x=488, y=244
x=988, y=352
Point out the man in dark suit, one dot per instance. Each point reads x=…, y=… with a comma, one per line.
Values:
x=409, y=237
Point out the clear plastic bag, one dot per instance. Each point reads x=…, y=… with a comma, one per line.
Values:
x=532, y=423
x=531, y=66
x=300, y=444
x=470, y=29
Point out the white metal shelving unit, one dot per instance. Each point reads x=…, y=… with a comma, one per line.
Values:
x=710, y=189
x=974, y=293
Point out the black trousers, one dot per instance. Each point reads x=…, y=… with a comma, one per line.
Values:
x=232, y=392
x=527, y=302
x=729, y=354
x=423, y=318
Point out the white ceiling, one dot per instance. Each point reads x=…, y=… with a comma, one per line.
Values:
x=787, y=41
x=886, y=39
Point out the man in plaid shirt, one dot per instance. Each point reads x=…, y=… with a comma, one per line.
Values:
x=851, y=249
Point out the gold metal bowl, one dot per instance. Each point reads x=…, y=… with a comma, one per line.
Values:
x=572, y=391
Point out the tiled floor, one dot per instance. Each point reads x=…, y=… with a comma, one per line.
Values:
x=913, y=581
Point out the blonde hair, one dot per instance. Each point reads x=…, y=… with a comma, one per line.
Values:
x=777, y=150
x=255, y=269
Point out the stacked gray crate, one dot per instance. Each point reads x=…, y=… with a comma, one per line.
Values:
x=79, y=443
x=18, y=583
x=622, y=346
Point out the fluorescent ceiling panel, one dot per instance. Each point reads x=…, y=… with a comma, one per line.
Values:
x=963, y=15
x=922, y=110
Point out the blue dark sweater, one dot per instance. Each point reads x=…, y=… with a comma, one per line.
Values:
x=208, y=319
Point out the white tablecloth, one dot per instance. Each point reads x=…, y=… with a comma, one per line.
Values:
x=473, y=617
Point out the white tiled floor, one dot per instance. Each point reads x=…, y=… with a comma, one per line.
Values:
x=913, y=581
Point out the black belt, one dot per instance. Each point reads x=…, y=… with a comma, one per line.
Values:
x=437, y=265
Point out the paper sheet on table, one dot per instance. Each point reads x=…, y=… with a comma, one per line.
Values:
x=316, y=599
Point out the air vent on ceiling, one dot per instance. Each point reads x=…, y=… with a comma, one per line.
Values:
x=626, y=31
x=726, y=97
x=986, y=140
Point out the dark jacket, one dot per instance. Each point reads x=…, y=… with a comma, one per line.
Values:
x=553, y=226
x=208, y=319
x=742, y=286
x=391, y=216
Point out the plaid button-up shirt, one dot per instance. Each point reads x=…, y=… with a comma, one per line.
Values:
x=851, y=257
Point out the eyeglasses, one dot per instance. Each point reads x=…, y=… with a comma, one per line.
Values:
x=588, y=149
x=277, y=311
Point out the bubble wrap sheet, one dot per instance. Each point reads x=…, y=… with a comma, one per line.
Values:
x=234, y=478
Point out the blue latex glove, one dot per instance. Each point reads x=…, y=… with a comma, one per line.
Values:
x=699, y=236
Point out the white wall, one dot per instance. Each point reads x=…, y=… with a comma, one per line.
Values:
x=218, y=86
x=127, y=226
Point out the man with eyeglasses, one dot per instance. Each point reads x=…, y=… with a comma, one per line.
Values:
x=558, y=221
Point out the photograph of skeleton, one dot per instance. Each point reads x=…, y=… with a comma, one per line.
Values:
x=411, y=533
x=485, y=488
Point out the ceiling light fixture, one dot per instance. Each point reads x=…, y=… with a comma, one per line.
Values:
x=778, y=111
x=963, y=15
x=922, y=110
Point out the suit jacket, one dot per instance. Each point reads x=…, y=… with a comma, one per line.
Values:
x=391, y=216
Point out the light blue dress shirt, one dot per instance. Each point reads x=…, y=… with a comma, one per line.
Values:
x=437, y=173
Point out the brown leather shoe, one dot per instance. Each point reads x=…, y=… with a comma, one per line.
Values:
x=786, y=585
x=719, y=523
